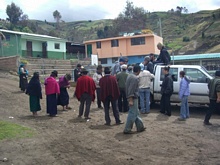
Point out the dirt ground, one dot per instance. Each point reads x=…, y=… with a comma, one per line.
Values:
x=69, y=140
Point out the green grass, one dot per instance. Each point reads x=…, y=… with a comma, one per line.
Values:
x=10, y=130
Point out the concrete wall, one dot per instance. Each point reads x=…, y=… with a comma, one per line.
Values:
x=9, y=63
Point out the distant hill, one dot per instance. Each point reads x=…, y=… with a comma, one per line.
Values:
x=183, y=33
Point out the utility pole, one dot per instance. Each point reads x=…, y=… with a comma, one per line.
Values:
x=160, y=26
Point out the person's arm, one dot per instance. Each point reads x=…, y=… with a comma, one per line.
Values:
x=218, y=92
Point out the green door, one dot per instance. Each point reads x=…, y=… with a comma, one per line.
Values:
x=89, y=50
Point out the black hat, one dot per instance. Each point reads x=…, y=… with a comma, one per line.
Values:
x=54, y=73
x=107, y=70
x=217, y=73
x=84, y=71
x=79, y=65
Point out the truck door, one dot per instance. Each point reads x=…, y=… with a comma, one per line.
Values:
x=198, y=86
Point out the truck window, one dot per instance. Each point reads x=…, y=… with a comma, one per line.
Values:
x=195, y=75
x=173, y=72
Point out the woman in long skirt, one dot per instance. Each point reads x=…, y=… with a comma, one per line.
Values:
x=63, y=97
x=35, y=93
x=23, y=77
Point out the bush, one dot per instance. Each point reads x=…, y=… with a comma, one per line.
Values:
x=186, y=39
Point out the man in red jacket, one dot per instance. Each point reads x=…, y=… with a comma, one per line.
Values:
x=85, y=93
x=109, y=93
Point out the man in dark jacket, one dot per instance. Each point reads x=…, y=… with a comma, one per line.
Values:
x=166, y=91
x=77, y=72
x=164, y=56
x=214, y=96
x=148, y=65
x=109, y=93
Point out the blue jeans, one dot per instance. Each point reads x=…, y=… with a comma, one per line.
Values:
x=144, y=94
x=184, y=109
x=134, y=117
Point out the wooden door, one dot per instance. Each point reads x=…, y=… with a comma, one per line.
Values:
x=29, y=48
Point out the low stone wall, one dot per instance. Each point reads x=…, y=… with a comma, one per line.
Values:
x=9, y=63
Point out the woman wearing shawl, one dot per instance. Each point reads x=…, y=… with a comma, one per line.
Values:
x=35, y=94
x=22, y=77
x=51, y=91
x=63, y=98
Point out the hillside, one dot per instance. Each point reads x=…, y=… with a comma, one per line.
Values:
x=183, y=33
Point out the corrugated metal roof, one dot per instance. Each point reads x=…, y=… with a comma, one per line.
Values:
x=195, y=56
x=30, y=34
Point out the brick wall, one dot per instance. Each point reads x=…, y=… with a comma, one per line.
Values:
x=9, y=63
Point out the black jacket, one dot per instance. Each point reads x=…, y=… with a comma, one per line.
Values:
x=34, y=88
x=164, y=56
x=167, y=85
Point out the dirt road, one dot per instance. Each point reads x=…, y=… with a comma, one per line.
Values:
x=69, y=140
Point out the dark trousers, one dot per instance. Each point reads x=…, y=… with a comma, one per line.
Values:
x=165, y=104
x=107, y=102
x=122, y=101
x=85, y=98
x=98, y=94
x=212, y=108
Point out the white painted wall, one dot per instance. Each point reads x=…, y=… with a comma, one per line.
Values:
x=51, y=46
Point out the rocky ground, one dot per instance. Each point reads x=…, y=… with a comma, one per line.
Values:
x=69, y=140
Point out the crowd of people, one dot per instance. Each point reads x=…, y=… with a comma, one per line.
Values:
x=127, y=88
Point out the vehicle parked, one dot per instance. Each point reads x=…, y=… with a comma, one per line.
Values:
x=199, y=78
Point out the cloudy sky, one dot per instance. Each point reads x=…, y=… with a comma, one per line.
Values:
x=74, y=10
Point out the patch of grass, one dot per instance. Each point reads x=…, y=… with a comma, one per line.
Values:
x=10, y=130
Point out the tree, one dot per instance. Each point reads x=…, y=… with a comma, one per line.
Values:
x=57, y=16
x=14, y=13
x=131, y=19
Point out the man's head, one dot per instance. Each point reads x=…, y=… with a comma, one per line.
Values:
x=136, y=69
x=84, y=71
x=99, y=68
x=78, y=65
x=68, y=77
x=107, y=70
x=124, y=67
x=166, y=70
x=146, y=60
x=123, y=60
x=142, y=66
x=159, y=46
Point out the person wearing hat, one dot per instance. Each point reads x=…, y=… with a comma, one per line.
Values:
x=117, y=67
x=214, y=96
x=77, y=72
x=121, y=78
x=148, y=65
x=63, y=97
x=145, y=78
x=23, y=81
x=52, y=90
x=85, y=93
x=96, y=77
x=35, y=93
x=109, y=93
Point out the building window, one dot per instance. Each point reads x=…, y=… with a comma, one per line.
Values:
x=98, y=45
x=114, y=43
x=57, y=46
x=138, y=41
x=7, y=37
x=103, y=61
x=114, y=59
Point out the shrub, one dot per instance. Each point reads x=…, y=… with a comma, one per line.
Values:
x=186, y=39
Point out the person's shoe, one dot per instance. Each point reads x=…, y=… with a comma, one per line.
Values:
x=129, y=132
x=143, y=129
x=100, y=107
x=53, y=115
x=207, y=123
x=147, y=112
x=86, y=118
x=108, y=124
x=181, y=119
x=118, y=123
x=168, y=114
x=79, y=116
x=162, y=112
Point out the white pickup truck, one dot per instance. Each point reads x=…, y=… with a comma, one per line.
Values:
x=199, y=78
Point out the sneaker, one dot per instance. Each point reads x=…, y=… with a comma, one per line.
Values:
x=86, y=118
x=108, y=124
x=207, y=123
x=143, y=129
x=129, y=132
x=181, y=119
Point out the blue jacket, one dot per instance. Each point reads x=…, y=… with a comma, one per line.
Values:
x=184, y=87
